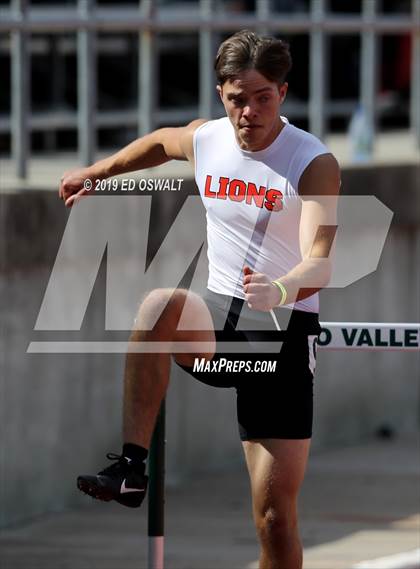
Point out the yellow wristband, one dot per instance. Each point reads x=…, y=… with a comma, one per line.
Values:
x=282, y=290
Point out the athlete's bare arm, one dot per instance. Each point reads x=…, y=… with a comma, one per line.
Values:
x=318, y=187
x=148, y=151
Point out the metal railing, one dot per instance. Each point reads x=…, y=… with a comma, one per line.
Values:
x=87, y=20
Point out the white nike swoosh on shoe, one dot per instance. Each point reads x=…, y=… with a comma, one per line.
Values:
x=125, y=490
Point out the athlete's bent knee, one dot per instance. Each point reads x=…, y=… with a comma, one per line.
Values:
x=160, y=306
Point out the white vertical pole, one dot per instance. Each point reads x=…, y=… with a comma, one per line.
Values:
x=148, y=71
x=317, y=70
x=369, y=65
x=86, y=87
x=206, y=55
x=20, y=91
x=262, y=12
x=415, y=73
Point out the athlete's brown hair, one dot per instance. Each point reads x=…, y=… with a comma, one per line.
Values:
x=246, y=50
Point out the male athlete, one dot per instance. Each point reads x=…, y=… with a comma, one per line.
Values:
x=269, y=189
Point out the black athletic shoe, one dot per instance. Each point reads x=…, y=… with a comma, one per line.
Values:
x=122, y=481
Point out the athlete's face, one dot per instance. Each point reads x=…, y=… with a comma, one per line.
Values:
x=252, y=104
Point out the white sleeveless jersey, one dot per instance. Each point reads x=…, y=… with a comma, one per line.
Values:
x=252, y=203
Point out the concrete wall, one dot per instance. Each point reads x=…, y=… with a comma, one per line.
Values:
x=60, y=413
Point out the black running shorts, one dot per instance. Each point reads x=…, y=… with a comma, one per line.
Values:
x=274, y=388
